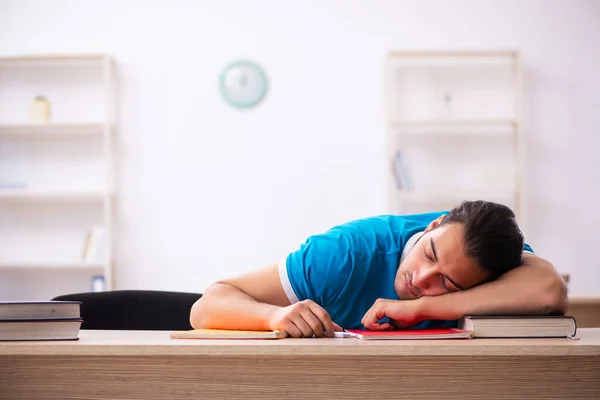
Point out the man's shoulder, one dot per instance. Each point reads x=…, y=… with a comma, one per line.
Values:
x=398, y=221
x=389, y=231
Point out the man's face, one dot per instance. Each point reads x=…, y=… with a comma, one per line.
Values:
x=437, y=264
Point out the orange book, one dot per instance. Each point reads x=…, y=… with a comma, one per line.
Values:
x=227, y=334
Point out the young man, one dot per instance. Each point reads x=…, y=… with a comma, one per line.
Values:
x=391, y=272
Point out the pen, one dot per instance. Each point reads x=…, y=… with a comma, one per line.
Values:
x=342, y=335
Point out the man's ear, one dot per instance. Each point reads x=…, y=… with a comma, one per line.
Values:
x=435, y=223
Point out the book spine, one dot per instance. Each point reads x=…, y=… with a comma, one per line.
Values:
x=401, y=172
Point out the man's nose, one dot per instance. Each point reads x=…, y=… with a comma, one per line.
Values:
x=422, y=278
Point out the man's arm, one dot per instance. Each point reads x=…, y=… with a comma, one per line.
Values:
x=534, y=288
x=243, y=302
x=257, y=301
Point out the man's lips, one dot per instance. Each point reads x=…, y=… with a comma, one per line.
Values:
x=409, y=286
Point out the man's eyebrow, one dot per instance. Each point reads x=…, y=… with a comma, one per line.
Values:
x=435, y=257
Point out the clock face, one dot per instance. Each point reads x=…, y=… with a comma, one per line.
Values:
x=243, y=84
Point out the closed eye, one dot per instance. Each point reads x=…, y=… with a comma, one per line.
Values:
x=448, y=285
x=428, y=256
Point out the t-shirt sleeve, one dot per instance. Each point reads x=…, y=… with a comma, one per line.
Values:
x=318, y=270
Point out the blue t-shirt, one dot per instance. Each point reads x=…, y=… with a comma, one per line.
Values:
x=348, y=267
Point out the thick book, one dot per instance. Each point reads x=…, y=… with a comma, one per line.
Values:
x=227, y=334
x=40, y=329
x=411, y=334
x=39, y=309
x=519, y=326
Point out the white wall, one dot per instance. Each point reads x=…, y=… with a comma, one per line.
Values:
x=206, y=191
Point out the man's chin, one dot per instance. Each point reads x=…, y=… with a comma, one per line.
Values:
x=410, y=296
x=402, y=291
x=404, y=294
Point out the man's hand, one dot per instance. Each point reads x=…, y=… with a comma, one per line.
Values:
x=303, y=319
x=403, y=313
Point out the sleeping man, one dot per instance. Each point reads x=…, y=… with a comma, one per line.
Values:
x=392, y=272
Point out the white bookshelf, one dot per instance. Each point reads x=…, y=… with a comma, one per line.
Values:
x=455, y=117
x=57, y=178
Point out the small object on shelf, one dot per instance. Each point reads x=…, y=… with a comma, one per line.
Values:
x=97, y=283
x=94, y=248
x=39, y=110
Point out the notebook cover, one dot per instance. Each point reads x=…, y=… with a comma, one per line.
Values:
x=444, y=333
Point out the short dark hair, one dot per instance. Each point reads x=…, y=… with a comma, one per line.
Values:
x=491, y=235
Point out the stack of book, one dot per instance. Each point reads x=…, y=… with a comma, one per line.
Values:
x=40, y=320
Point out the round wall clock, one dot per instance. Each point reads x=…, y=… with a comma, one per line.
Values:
x=243, y=84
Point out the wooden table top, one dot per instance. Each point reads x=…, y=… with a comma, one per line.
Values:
x=146, y=343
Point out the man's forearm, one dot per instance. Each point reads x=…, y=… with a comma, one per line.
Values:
x=533, y=288
x=224, y=307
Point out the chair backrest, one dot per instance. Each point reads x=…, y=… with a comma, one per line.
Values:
x=135, y=309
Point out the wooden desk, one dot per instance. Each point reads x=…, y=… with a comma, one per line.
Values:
x=148, y=365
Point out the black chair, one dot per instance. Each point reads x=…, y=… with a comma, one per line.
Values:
x=134, y=309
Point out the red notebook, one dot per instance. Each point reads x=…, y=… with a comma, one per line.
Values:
x=411, y=334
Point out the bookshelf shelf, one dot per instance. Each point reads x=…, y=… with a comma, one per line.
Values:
x=453, y=195
x=52, y=130
x=454, y=123
x=42, y=59
x=40, y=196
x=45, y=265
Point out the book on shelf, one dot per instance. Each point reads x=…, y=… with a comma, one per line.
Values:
x=40, y=320
x=401, y=172
x=94, y=247
x=519, y=326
